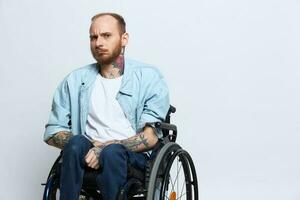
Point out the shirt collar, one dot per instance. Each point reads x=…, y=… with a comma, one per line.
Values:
x=126, y=85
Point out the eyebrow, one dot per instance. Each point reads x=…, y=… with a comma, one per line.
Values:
x=103, y=33
x=106, y=33
x=93, y=36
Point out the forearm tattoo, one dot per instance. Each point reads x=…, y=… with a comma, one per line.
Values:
x=60, y=139
x=137, y=143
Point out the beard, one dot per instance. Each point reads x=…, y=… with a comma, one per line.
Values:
x=107, y=58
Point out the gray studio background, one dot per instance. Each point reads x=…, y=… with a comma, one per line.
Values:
x=232, y=68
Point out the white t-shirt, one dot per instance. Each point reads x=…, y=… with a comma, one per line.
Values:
x=106, y=119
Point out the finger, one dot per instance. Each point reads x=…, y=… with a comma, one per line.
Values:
x=92, y=161
x=88, y=153
x=94, y=164
x=97, y=167
x=89, y=156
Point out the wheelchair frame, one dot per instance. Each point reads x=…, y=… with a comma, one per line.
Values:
x=142, y=185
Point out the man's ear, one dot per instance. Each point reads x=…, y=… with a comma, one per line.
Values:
x=125, y=38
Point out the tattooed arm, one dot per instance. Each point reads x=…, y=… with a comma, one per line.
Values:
x=59, y=139
x=141, y=142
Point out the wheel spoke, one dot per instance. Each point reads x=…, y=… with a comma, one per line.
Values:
x=157, y=187
x=182, y=188
x=177, y=175
x=181, y=196
x=177, y=179
x=173, y=185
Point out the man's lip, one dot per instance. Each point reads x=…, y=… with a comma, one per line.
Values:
x=101, y=51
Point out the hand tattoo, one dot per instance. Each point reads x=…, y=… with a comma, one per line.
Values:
x=97, y=151
x=60, y=139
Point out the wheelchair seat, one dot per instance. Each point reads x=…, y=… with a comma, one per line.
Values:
x=170, y=173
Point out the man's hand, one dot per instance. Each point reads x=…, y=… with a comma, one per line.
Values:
x=92, y=157
x=138, y=143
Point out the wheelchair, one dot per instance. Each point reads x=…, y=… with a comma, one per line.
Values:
x=170, y=174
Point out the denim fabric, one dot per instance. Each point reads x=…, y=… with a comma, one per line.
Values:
x=143, y=96
x=112, y=176
x=72, y=169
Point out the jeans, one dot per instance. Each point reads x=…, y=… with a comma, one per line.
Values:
x=114, y=159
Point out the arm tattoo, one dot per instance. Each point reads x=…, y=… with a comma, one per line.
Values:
x=60, y=139
x=137, y=143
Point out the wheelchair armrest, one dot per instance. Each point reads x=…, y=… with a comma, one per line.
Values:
x=169, y=130
x=172, y=109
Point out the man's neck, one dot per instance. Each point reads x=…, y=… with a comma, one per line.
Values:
x=114, y=69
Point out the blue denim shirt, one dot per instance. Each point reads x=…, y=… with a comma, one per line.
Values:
x=143, y=96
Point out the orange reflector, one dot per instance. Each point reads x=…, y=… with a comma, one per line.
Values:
x=173, y=196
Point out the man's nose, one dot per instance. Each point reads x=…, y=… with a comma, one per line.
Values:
x=99, y=42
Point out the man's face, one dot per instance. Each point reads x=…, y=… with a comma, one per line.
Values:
x=106, y=40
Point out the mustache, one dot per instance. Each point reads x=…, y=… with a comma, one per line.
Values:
x=101, y=50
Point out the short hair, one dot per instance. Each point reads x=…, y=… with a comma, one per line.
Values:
x=119, y=18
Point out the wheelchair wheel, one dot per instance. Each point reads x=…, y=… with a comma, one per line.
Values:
x=173, y=175
x=51, y=191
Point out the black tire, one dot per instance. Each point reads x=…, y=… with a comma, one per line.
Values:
x=169, y=158
x=52, y=191
x=51, y=188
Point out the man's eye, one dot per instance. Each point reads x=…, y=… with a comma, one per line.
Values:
x=106, y=35
x=92, y=38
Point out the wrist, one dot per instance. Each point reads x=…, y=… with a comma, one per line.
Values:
x=117, y=142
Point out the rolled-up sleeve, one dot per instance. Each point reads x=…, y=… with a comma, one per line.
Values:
x=60, y=114
x=156, y=103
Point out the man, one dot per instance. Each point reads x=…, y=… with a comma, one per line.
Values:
x=102, y=114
